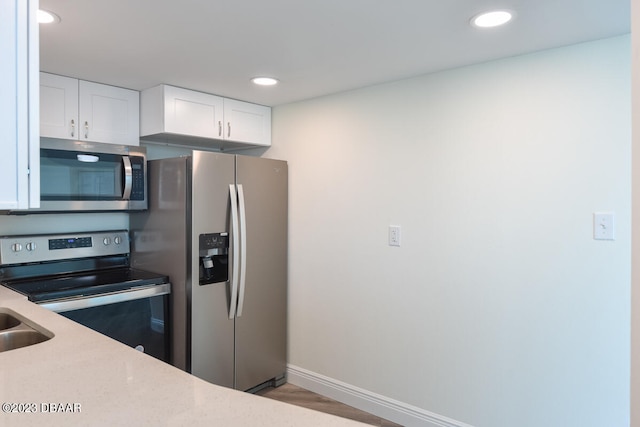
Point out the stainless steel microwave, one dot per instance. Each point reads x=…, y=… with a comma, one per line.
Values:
x=78, y=176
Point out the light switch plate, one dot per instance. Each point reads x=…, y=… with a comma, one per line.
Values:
x=603, y=226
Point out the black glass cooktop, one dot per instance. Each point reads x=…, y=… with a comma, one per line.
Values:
x=55, y=287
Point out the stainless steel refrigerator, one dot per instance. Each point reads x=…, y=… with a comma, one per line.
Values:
x=217, y=226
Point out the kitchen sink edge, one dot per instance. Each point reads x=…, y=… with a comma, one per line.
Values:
x=17, y=331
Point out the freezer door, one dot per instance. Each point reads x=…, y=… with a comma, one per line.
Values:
x=261, y=325
x=212, y=332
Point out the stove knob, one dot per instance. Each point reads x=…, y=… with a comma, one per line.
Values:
x=31, y=246
x=106, y=241
x=16, y=247
x=117, y=240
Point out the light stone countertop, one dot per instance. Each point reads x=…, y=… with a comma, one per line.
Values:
x=114, y=385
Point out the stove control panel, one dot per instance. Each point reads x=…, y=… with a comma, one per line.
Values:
x=38, y=248
x=70, y=243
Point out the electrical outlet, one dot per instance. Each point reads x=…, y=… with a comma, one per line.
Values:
x=394, y=235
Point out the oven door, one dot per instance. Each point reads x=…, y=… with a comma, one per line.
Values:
x=138, y=318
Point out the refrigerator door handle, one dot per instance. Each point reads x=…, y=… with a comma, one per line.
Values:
x=235, y=235
x=243, y=248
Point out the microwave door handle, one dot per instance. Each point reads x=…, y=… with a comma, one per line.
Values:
x=128, y=177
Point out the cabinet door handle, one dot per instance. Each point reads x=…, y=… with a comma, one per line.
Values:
x=219, y=127
x=228, y=129
x=73, y=128
x=86, y=130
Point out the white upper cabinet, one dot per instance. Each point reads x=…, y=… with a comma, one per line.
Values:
x=182, y=116
x=19, y=137
x=87, y=111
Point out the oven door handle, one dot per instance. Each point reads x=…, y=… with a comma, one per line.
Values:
x=61, y=306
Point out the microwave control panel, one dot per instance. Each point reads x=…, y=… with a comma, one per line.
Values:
x=137, y=185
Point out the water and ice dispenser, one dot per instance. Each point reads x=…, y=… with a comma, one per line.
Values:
x=214, y=258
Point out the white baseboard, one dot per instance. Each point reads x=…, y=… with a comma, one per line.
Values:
x=381, y=406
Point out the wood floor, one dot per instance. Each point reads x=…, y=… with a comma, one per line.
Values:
x=295, y=395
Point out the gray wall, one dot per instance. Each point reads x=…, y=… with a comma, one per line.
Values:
x=499, y=309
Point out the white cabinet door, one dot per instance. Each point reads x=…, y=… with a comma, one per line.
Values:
x=246, y=122
x=192, y=113
x=19, y=136
x=58, y=106
x=109, y=114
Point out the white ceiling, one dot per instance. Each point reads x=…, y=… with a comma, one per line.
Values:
x=315, y=47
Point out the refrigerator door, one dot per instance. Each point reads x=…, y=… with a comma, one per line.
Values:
x=261, y=320
x=212, y=332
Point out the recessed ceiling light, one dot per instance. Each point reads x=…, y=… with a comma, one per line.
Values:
x=492, y=19
x=46, y=17
x=264, y=81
